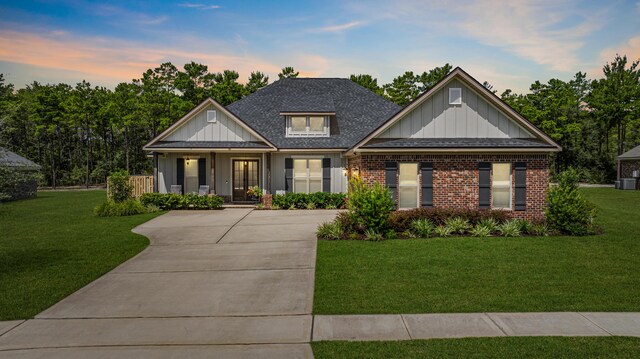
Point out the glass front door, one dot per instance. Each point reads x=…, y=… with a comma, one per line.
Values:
x=245, y=175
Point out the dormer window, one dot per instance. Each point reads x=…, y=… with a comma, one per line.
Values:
x=307, y=126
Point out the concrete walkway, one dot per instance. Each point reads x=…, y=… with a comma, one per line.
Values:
x=234, y=283
x=429, y=326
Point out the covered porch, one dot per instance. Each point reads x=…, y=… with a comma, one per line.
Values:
x=226, y=173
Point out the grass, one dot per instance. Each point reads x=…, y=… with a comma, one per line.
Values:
x=594, y=273
x=53, y=245
x=511, y=348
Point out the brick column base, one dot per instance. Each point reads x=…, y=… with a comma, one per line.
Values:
x=267, y=200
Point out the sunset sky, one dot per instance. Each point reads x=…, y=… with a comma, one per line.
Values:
x=508, y=43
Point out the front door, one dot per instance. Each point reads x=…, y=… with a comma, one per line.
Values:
x=245, y=175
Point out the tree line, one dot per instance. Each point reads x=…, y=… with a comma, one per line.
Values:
x=80, y=134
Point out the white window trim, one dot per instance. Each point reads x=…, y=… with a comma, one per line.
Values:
x=307, y=175
x=307, y=132
x=212, y=116
x=417, y=186
x=453, y=90
x=510, y=187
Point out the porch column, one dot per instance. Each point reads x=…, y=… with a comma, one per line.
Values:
x=268, y=167
x=213, y=172
x=155, y=172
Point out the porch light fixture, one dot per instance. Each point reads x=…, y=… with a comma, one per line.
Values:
x=187, y=160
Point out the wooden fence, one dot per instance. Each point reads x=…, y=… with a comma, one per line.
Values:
x=141, y=184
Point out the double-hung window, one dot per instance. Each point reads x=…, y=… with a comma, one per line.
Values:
x=307, y=126
x=408, y=185
x=501, y=185
x=307, y=175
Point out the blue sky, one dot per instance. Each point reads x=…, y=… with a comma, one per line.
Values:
x=508, y=43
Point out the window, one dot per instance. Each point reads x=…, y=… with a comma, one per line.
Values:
x=501, y=185
x=408, y=185
x=307, y=126
x=307, y=175
x=455, y=96
x=212, y=116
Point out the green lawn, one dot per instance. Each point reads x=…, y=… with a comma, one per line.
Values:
x=53, y=245
x=508, y=348
x=595, y=273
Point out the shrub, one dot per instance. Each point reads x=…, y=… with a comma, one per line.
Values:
x=120, y=190
x=320, y=200
x=442, y=231
x=167, y=201
x=510, y=228
x=540, y=229
x=481, y=230
x=330, y=230
x=401, y=220
x=422, y=228
x=568, y=211
x=111, y=208
x=348, y=223
x=489, y=223
x=371, y=235
x=457, y=225
x=370, y=206
x=17, y=184
x=523, y=225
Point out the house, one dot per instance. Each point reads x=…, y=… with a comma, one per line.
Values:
x=629, y=162
x=20, y=181
x=456, y=145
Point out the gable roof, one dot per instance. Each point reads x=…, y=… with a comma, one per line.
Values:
x=358, y=111
x=12, y=159
x=632, y=154
x=209, y=101
x=468, y=80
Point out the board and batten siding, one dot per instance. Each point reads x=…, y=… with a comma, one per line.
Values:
x=338, y=164
x=167, y=172
x=198, y=129
x=474, y=118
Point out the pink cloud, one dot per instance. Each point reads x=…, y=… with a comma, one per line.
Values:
x=110, y=59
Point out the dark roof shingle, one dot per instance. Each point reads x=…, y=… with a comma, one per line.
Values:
x=12, y=159
x=358, y=110
x=207, y=144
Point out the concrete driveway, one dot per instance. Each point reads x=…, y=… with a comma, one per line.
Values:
x=231, y=283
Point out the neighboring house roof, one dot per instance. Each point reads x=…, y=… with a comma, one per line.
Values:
x=208, y=144
x=358, y=111
x=472, y=83
x=632, y=154
x=12, y=159
x=449, y=143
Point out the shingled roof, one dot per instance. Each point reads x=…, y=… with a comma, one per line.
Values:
x=12, y=159
x=358, y=111
x=632, y=154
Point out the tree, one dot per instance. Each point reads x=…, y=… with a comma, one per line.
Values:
x=287, y=73
x=257, y=80
x=430, y=78
x=489, y=86
x=368, y=82
x=195, y=82
x=403, y=89
x=615, y=99
x=227, y=89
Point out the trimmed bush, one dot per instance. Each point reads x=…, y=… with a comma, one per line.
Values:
x=370, y=206
x=167, y=201
x=315, y=200
x=129, y=207
x=401, y=220
x=568, y=211
x=120, y=190
x=17, y=184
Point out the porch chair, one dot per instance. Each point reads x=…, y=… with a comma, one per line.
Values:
x=176, y=189
x=203, y=190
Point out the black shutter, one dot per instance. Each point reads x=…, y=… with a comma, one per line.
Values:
x=427, y=184
x=391, y=178
x=288, y=174
x=180, y=172
x=484, y=193
x=521, y=186
x=326, y=175
x=202, y=171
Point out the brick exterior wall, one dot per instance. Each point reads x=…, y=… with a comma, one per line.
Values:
x=456, y=177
